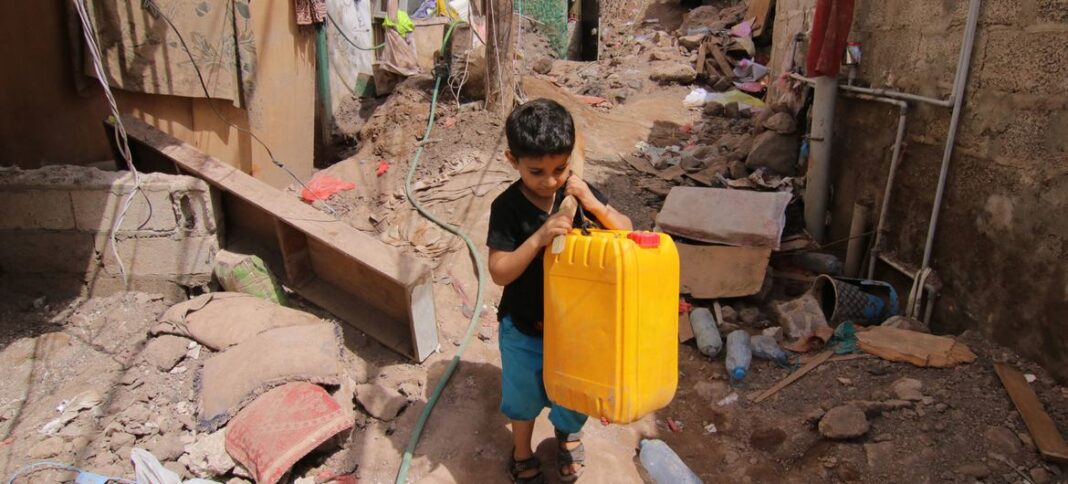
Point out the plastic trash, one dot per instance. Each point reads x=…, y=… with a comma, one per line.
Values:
x=247, y=274
x=321, y=187
x=664, y=465
x=739, y=355
x=767, y=348
x=709, y=342
x=743, y=29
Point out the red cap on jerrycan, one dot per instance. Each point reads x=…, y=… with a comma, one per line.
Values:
x=645, y=240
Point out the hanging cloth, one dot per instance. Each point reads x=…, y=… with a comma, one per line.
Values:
x=830, y=33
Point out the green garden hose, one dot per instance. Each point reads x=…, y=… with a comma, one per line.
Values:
x=409, y=451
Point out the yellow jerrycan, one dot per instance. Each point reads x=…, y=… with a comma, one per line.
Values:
x=611, y=323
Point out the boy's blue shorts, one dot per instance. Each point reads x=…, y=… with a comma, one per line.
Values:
x=522, y=388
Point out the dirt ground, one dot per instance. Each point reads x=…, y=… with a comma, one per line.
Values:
x=53, y=351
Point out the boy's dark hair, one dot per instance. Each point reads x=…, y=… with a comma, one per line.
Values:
x=538, y=128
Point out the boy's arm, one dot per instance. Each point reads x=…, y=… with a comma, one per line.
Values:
x=505, y=266
x=611, y=218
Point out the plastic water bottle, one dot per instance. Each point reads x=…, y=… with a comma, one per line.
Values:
x=664, y=465
x=709, y=341
x=766, y=347
x=738, y=354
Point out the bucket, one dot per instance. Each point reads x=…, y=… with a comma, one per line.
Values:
x=863, y=301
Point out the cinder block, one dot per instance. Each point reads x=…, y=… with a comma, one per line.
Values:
x=39, y=251
x=160, y=256
x=107, y=284
x=150, y=211
x=35, y=209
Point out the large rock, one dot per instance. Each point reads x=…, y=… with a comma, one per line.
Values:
x=692, y=42
x=976, y=470
x=207, y=457
x=1003, y=441
x=781, y=123
x=674, y=72
x=381, y=402
x=166, y=351
x=879, y=454
x=907, y=389
x=844, y=422
x=777, y=153
x=543, y=65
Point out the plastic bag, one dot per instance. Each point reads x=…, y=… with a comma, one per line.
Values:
x=321, y=187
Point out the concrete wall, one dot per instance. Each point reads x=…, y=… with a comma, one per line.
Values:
x=46, y=121
x=1001, y=245
x=55, y=221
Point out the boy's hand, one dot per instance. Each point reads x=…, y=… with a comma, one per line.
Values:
x=557, y=224
x=578, y=188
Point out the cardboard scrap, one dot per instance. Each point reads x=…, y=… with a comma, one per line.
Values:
x=920, y=349
x=729, y=217
x=719, y=271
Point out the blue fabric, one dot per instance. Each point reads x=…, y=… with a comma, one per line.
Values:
x=522, y=388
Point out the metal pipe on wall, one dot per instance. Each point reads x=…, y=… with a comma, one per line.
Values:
x=963, y=67
x=818, y=174
x=857, y=229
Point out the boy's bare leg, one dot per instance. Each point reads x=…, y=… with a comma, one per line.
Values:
x=522, y=433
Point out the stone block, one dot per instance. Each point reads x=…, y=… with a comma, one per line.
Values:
x=35, y=209
x=39, y=251
x=1038, y=69
x=160, y=256
x=1052, y=11
x=149, y=211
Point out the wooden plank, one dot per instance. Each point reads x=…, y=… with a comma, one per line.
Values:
x=702, y=55
x=671, y=173
x=366, y=283
x=1042, y=428
x=719, y=271
x=685, y=327
x=724, y=65
x=804, y=370
x=758, y=11
x=920, y=349
x=640, y=165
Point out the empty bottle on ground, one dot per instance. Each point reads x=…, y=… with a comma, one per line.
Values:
x=738, y=354
x=709, y=341
x=664, y=465
x=767, y=348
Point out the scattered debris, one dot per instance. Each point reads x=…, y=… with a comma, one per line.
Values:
x=796, y=375
x=843, y=423
x=231, y=379
x=381, y=402
x=165, y=351
x=242, y=273
x=281, y=427
x=69, y=410
x=908, y=389
x=728, y=400
x=674, y=73
x=207, y=457
x=322, y=187
x=916, y=348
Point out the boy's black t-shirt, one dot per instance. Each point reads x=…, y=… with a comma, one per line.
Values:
x=513, y=219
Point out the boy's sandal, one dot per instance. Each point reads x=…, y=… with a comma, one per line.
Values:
x=517, y=467
x=566, y=457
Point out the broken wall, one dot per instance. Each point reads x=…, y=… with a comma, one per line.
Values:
x=1000, y=247
x=55, y=224
x=46, y=120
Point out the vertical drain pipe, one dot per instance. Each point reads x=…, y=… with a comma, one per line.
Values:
x=963, y=66
x=818, y=174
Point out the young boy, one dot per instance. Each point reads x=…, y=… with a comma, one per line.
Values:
x=523, y=220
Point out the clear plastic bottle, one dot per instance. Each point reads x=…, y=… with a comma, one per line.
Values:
x=664, y=465
x=739, y=355
x=765, y=347
x=709, y=342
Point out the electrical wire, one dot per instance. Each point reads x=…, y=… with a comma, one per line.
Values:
x=156, y=11
x=409, y=450
x=121, y=140
x=346, y=37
